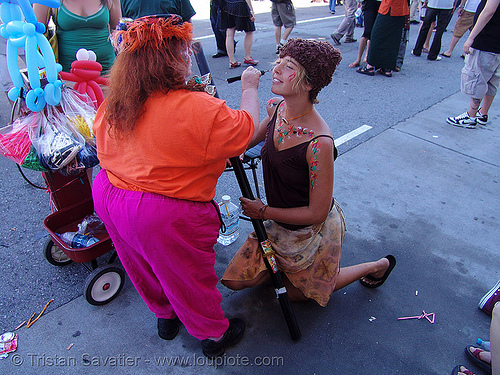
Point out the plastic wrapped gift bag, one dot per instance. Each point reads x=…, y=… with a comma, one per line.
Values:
x=15, y=143
x=80, y=112
x=55, y=143
x=32, y=162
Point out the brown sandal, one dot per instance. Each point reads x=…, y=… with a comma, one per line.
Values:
x=474, y=356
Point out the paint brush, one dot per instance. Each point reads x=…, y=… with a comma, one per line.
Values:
x=234, y=79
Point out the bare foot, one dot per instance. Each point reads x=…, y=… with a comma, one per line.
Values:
x=354, y=64
x=379, y=267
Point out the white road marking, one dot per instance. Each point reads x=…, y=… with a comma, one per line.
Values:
x=204, y=37
x=319, y=19
x=347, y=137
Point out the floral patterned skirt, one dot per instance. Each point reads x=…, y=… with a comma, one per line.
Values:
x=309, y=257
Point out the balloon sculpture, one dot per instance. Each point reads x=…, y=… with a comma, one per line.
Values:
x=29, y=34
x=86, y=71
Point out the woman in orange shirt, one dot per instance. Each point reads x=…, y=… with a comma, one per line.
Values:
x=162, y=144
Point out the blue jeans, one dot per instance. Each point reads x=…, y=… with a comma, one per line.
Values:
x=332, y=5
x=220, y=35
x=402, y=47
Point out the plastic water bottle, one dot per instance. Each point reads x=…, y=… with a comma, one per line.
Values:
x=230, y=214
x=483, y=344
x=76, y=240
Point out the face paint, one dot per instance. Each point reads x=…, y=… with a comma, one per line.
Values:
x=187, y=55
x=272, y=103
x=292, y=76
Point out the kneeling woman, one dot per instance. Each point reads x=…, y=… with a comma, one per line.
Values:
x=304, y=223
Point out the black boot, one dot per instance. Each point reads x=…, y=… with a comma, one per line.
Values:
x=168, y=328
x=233, y=335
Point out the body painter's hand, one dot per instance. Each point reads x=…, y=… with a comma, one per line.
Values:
x=250, y=78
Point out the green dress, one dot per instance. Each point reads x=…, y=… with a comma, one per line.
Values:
x=92, y=33
x=138, y=8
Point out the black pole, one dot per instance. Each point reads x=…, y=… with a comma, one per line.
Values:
x=238, y=78
x=258, y=225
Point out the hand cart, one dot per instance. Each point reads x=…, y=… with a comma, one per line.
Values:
x=72, y=198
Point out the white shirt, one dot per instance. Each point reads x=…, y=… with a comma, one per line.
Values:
x=471, y=5
x=440, y=4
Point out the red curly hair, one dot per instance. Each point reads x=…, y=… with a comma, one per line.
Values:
x=152, y=58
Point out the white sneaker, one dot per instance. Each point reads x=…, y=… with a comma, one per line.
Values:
x=278, y=48
x=481, y=119
x=463, y=120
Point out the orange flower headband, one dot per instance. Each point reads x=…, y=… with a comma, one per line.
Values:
x=152, y=32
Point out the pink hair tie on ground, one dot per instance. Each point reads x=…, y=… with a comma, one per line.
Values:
x=429, y=316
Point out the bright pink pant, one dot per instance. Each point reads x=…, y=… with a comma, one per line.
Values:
x=166, y=247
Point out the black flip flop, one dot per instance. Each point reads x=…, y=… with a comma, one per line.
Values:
x=485, y=366
x=380, y=280
x=366, y=70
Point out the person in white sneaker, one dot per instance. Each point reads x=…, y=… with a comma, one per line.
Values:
x=283, y=15
x=481, y=73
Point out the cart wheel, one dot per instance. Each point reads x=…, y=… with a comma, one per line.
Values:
x=55, y=255
x=103, y=285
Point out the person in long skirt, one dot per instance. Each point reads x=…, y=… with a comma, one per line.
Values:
x=386, y=38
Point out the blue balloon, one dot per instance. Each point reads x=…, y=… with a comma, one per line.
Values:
x=13, y=65
x=28, y=34
x=49, y=59
x=27, y=10
x=29, y=29
x=53, y=93
x=9, y=12
x=13, y=93
x=31, y=61
x=34, y=100
x=48, y=3
x=15, y=32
